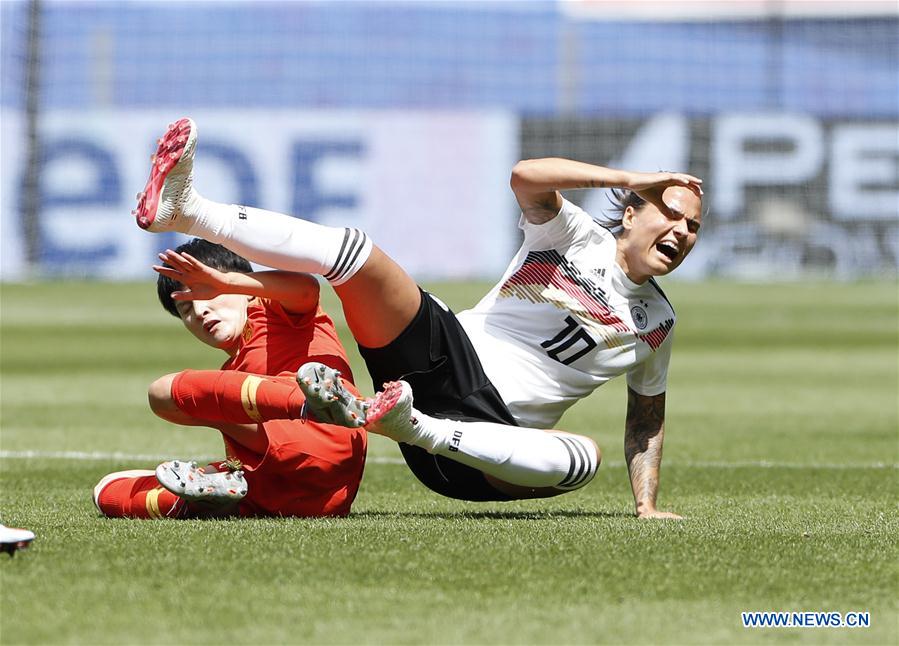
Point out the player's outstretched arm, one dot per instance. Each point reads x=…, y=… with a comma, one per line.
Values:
x=295, y=291
x=537, y=182
x=643, y=436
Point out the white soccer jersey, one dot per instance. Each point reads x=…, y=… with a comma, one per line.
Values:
x=564, y=319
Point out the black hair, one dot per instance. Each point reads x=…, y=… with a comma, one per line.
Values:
x=621, y=198
x=212, y=255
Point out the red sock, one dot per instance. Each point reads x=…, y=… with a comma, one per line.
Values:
x=136, y=496
x=237, y=397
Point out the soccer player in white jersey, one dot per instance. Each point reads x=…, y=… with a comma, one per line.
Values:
x=576, y=307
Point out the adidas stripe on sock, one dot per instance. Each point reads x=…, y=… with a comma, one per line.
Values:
x=353, y=252
x=583, y=461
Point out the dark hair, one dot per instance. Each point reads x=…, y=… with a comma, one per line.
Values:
x=213, y=255
x=621, y=198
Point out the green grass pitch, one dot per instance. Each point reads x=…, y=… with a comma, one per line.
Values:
x=781, y=451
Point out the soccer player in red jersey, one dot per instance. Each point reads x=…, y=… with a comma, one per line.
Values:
x=277, y=464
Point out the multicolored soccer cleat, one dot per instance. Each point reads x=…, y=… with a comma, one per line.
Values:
x=326, y=399
x=13, y=538
x=188, y=481
x=161, y=203
x=390, y=412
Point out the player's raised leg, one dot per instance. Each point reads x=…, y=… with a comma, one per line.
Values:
x=379, y=298
x=235, y=403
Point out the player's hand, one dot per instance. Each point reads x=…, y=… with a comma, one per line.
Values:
x=653, y=184
x=655, y=513
x=200, y=281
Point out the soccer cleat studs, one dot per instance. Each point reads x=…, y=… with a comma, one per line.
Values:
x=190, y=482
x=326, y=398
x=159, y=204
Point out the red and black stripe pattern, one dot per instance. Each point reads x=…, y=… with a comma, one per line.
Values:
x=549, y=269
x=655, y=337
x=546, y=270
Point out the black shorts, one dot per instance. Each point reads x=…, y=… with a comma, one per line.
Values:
x=436, y=357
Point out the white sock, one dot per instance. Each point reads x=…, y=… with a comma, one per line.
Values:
x=278, y=240
x=521, y=456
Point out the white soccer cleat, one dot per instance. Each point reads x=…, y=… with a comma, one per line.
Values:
x=390, y=413
x=188, y=481
x=13, y=538
x=326, y=399
x=160, y=207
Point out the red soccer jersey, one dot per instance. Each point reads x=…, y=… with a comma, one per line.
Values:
x=276, y=341
x=309, y=469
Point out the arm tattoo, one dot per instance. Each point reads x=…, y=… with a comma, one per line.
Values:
x=644, y=432
x=593, y=183
x=541, y=211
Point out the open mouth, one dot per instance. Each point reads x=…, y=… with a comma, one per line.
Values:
x=668, y=249
x=210, y=327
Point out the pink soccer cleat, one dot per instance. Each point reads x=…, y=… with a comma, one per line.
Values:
x=390, y=412
x=161, y=204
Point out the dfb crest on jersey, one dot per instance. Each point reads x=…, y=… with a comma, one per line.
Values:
x=639, y=316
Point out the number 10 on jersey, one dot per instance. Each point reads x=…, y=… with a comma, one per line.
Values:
x=573, y=341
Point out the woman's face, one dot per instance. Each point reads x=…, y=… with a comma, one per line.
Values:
x=218, y=322
x=657, y=237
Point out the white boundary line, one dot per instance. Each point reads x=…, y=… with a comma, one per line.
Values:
x=79, y=455
x=146, y=457
x=132, y=457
